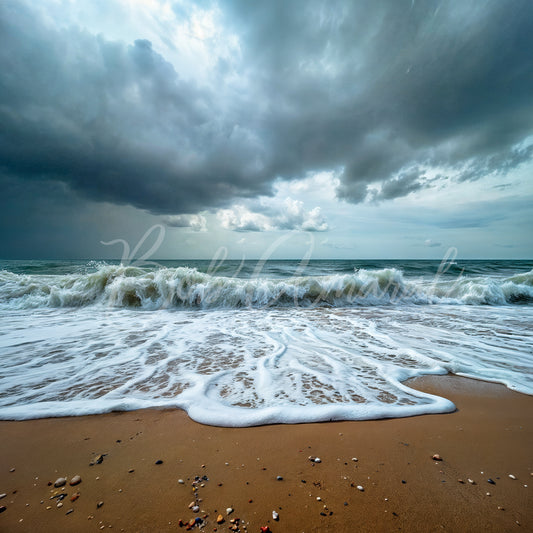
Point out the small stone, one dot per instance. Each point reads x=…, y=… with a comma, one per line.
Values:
x=191, y=522
x=98, y=459
x=275, y=516
x=99, y=504
x=361, y=488
x=471, y=481
x=265, y=529
x=11, y=469
x=74, y=497
x=491, y=481
x=460, y=481
x=3, y=508
x=69, y=511
x=181, y=482
x=48, y=507
x=195, y=509
x=279, y=478
x=318, y=499
x=511, y=476
x=437, y=457
x=191, y=505
x=488, y=493
x=159, y=462
x=59, y=482
x=220, y=519
x=59, y=504
x=3, y=495
x=500, y=508
x=354, y=459
x=76, y=480
x=131, y=470
x=229, y=510
x=318, y=460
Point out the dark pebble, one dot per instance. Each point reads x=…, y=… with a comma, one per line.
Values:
x=131, y=470
x=118, y=440
x=159, y=462
x=303, y=480
x=3, y=508
x=491, y=481
x=279, y=478
x=70, y=511
x=345, y=503
x=403, y=481
x=323, y=514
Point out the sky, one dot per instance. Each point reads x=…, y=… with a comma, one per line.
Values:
x=326, y=128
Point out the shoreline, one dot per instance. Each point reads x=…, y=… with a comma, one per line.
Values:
x=488, y=436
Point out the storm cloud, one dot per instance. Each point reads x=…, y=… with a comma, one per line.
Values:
x=383, y=93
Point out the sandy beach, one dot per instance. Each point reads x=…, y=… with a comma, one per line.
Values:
x=488, y=437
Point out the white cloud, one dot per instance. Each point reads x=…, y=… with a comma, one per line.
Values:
x=195, y=222
x=289, y=215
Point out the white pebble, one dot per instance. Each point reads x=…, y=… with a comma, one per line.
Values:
x=471, y=481
x=229, y=510
x=275, y=515
x=360, y=487
x=354, y=459
x=181, y=482
x=318, y=499
x=511, y=476
x=317, y=460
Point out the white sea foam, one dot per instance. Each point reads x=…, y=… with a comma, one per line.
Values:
x=254, y=366
x=127, y=286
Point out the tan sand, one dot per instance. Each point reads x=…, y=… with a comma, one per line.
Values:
x=489, y=436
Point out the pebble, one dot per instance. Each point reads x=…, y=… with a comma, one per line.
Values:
x=76, y=480
x=511, y=476
x=318, y=460
x=318, y=499
x=59, y=504
x=3, y=495
x=229, y=510
x=98, y=459
x=131, y=470
x=70, y=511
x=279, y=478
x=360, y=487
x=437, y=457
x=11, y=469
x=74, y=497
x=500, y=508
x=181, y=482
x=220, y=519
x=471, y=481
x=59, y=482
x=191, y=505
x=159, y=462
x=195, y=509
x=354, y=459
x=99, y=504
x=275, y=515
x=3, y=508
x=491, y=481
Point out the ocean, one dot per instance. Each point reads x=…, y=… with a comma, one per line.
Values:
x=242, y=343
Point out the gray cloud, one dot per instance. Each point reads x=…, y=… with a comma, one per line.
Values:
x=375, y=89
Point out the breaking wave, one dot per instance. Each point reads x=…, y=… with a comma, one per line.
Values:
x=128, y=286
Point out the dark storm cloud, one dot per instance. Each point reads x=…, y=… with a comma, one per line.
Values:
x=377, y=90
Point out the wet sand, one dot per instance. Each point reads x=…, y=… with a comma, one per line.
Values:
x=489, y=436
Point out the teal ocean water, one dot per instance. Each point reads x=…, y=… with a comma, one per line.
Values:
x=239, y=343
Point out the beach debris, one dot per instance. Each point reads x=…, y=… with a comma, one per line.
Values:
x=491, y=481
x=74, y=497
x=275, y=516
x=98, y=459
x=229, y=510
x=436, y=457
x=279, y=478
x=159, y=462
x=60, y=481
x=220, y=519
x=76, y=480
x=60, y=496
x=511, y=476
x=99, y=504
